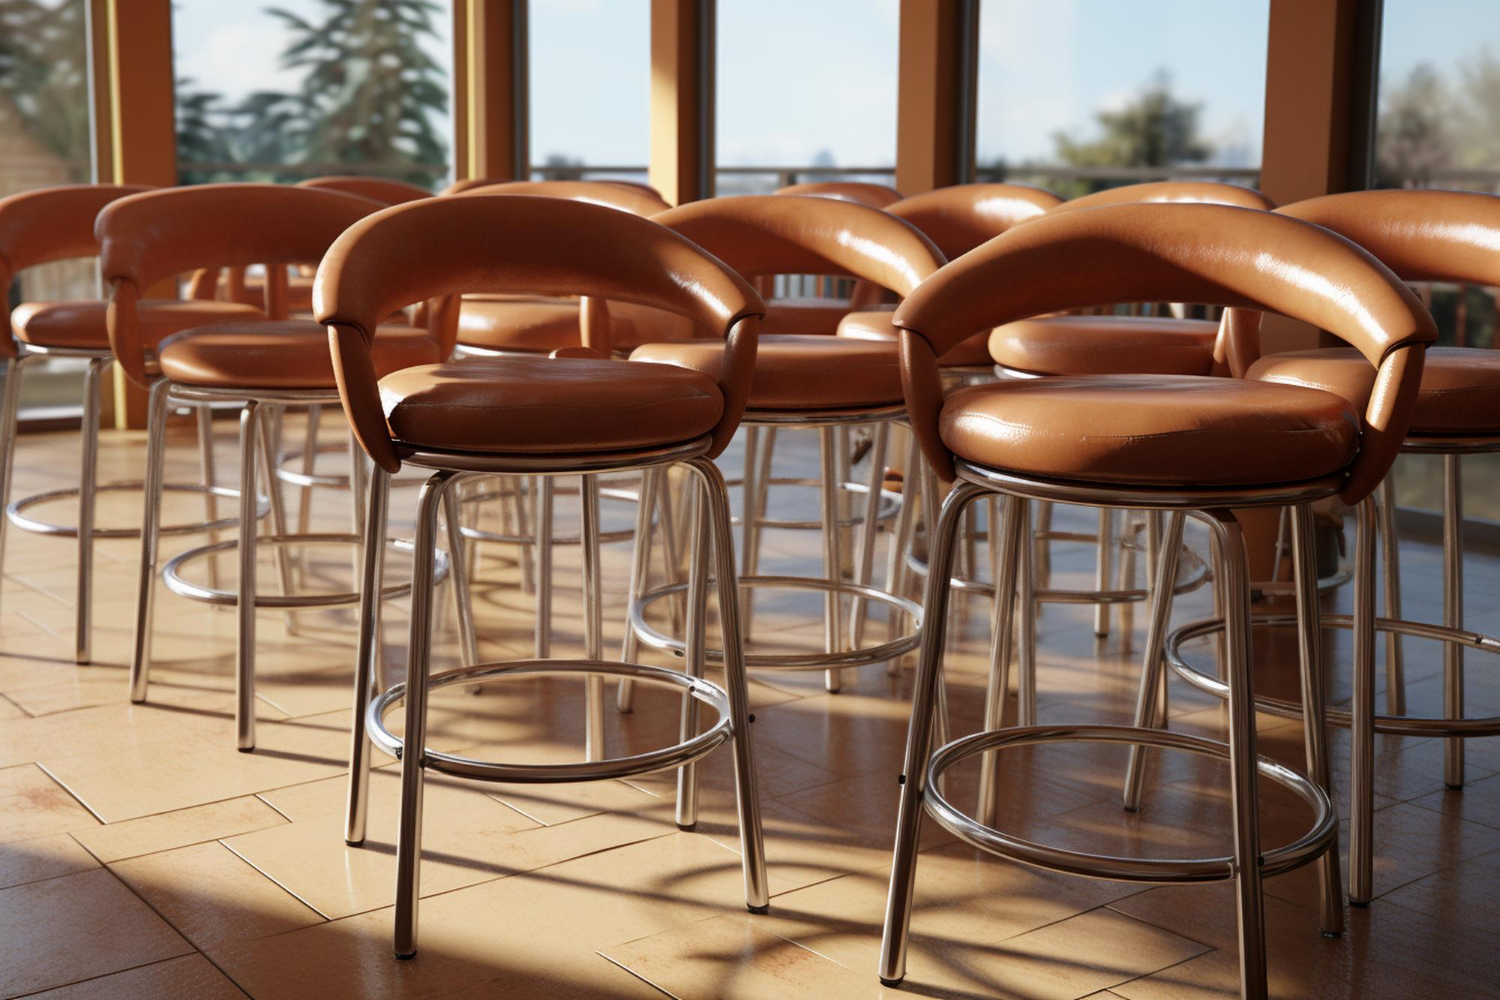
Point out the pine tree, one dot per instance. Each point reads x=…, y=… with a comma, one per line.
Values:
x=44, y=91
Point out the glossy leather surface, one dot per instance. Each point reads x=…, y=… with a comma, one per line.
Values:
x=83, y=324
x=541, y=405
x=280, y=355
x=630, y=198
x=538, y=324
x=860, y=192
x=795, y=372
x=875, y=324
x=443, y=247
x=381, y=189
x=1171, y=193
x=1160, y=430
x=961, y=217
x=1106, y=345
x=1460, y=391
x=1174, y=253
x=809, y=314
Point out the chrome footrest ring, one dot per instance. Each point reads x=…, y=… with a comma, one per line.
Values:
x=664, y=759
x=1187, y=583
x=888, y=508
x=863, y=657
x=1303, y=850
x=329, y=481
x=171, y=575
x=15, y=510
x=1394, y=725
x=605, y=537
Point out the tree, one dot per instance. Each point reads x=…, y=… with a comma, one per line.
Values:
x=1154, y=130
x=1413, y=137
x=44, y=90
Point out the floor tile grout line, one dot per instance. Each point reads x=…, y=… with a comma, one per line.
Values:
x=282, y=886
x=72, y=794
x=19, y=707
x=637, y=975
x=269, y=804
x=118, y=972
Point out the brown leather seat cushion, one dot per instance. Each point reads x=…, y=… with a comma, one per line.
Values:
x=542, y=325
x=800, y=372
x=81, y=325
x=298, y=292
x=875, y=324
x=1460, y=391
x=292, y=354
x=1105, y=345
x=548, y=405
x=1152, y=430
x=804, y=314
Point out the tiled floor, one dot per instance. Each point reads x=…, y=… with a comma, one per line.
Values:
x=142, y=856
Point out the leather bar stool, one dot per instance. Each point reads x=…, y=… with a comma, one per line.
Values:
x=147, y=237
x=53, y=224
x=1174, y=443
x=541, y=416
x=1422, y=236
x=761, y=235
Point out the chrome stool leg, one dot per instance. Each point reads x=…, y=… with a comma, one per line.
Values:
x=419, y=651
x=244, y=660
x=832, y=554
x=1314, y=723
x=1395, y=672
x=1152, y=665
x=697, y=644
x=749, y=520
x=1453, y=616
x=1043, y=555
x=593, y=619
x=864, y=556
x=463, y=597
x=640, y=574
x=543, y=522
x=1026, y=600
x=88, y=481
x=1011, y=538
x=8, y=409
x=206, y=463
x=309, y=466
x=941, y=541
x=1101, y=569
x=367, y=653
x=264, y=419
x=156, y=450
x=897, y=573
x=1362, y=715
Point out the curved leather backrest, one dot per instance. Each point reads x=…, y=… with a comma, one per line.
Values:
x=637, y=185
x=381, y=189
x=625, y=197
x=786, y=234
x=445, y=246
x=1172, y=192
x=57, y=223
x=148, y=237
x=859, y=192
x=1171, y=253
x=961, y=217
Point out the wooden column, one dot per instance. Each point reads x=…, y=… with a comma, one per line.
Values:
x=936, y=94
x=491, y=102
x=682, y=99
x=142, y=133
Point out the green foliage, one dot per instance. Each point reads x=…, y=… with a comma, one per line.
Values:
x=1154, y=129
x=44, y=92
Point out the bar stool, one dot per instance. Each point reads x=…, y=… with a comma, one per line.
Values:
x=37, y=227
x=1173, y=443
x=761, y=235
x=147, y=237
x=550, y=417
x=1422, y=236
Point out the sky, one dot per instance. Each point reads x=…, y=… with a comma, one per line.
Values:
x=800, y=79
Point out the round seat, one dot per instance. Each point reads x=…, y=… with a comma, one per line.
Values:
x=1105, y=345
x=875, y=324
x=804, y=314
x=1153, y=430
x=82, y=325
x=1460, y=393
x=284, y=355
x=542, y=405
x=794, y=372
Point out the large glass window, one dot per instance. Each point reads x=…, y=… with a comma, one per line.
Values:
x=806, y=92
x=45, y=132
x=300, y=88
x=590, y=63
x=1079, y=95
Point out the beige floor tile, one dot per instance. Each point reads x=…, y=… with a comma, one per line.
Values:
x=189, y=976
x=32, y=805
x=23, y=861
x=180, y=828
x=212, y=897
x=77, y=927
x=736, y=957
x=10, y=710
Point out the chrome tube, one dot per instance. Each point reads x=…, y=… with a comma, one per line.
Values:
x=941, y=540
x=593, y=619
x=747, y=795
x=156, y=451
x=278, y=509
x=697, y=644
x=206, y=464
x=1153, y=674
x=1453, y=616
x=309, y=466
x=8, y=408
x=832, y=555
x=1042, y=556
x=1026, y=602
x=749, y=520
x=1101, y=570
x=544, y=506
x=463, y=598
x=1314, y=720
x=640, y=575
x=244, y=653
x=367, y=653
x=1395, y=672
x=1009, y=531
x=864, y=556
x=418, y=652
x=897, y=575
x=1362, y=721
x=88, y=482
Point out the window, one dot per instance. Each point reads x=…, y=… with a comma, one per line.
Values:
x=590, y=63
x=1081, y=95
x=806, y=92
x=45, y=140
x=302, y=88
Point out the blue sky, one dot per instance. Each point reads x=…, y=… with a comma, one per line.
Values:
x=797, y=77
